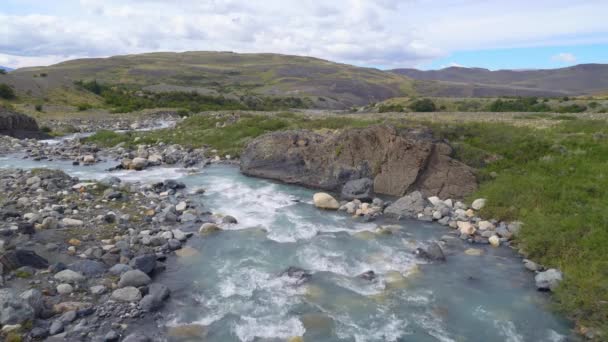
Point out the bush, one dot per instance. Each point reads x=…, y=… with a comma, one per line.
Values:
x=84, y=106
x=387, y=108
x=46, y=129
x=2, y=71
x=6, y=92
x=423, y=105
x=38, y=107
x=573, y=108
x=521, y=104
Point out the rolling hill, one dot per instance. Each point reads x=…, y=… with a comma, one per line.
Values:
x=576, y=80
x=327, y=84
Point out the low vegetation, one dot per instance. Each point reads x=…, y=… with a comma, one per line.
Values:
x=553, y=179
x=122, y=100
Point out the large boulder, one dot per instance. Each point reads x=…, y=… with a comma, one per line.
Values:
x=20, y=126
x=407, y=206
x=397, y=161
x=17, y=258
x=548, y=280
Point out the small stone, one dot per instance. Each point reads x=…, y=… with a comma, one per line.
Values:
x=478, y=204
x=69, y=276
x=56, y=327
x=473, y=252
x=64, y=289
x=531, y=265
x=134, y=278
x=127, y=294
x=70, y=222
x=494, y=240
x=466, y=228
x=181, y=206
x=208, y=228
x=98, y=289
x=485, y=225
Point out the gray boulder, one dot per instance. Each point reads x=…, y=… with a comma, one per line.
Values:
x=157, y=294
x=127, y=294
x=361, y=189
x=34, y=298
x=69, y=276
x=548, y=280
x=136, y=337
x=407, y=206
x=432, y=252
x=145, y=263
x=13, y=309
x=89, y=268
x=134, y=278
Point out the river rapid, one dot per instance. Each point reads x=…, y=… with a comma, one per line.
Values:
x=232, y=287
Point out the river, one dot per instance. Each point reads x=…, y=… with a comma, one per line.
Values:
x=235, y=288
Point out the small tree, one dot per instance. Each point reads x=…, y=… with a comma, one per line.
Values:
x=423, y=105
x=6, y=92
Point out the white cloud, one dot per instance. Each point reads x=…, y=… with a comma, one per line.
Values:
x=564, y=57
x=364, y=32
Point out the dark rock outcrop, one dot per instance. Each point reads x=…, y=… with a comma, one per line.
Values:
x=398, y=161
x=20, y=126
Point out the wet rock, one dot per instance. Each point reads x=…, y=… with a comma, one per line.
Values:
x=134, y=278
x=432, y=252
x=369, y=275
x=548, y=280
x=361, y=189
x=208, y=228
x=407, y=206
x=157, y=294
x=473, y=252
x=298, y=274
x=138, y=164
x=466, y=228
x=229, y=220
x=532, y=266
x=323, y=200
x=127, y=294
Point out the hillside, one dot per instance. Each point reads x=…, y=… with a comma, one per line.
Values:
x=576, y=80
x=327, y=84
x=6, y=68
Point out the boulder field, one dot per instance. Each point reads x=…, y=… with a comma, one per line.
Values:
x=398, y=161
x=19, y=125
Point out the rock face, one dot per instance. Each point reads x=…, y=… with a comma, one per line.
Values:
x=398, y=161
x=20, y=126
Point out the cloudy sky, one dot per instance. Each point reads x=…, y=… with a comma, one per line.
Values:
x=426, y=34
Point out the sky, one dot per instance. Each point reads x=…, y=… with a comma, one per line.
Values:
x=425, y=34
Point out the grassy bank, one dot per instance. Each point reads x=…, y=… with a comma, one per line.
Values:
x=553, y=179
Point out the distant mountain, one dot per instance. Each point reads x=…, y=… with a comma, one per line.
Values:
x=576, y=80
x=6, y=68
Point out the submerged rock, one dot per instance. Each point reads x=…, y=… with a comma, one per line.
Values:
x=300, y=275
x=432, y=252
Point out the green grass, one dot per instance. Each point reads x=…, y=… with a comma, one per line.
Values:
x=222, y=134
x=554, y=179
x=556, y=182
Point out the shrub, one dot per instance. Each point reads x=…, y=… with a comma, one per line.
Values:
x=386, y=108
x=2, y=71
x=573, y=108
x=38, y=107
x=6, y=92
x=423, y=105
x=84, y=106
x=45, y=129
x=521, y=104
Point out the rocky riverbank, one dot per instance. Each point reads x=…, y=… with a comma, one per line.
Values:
x=462, y=219
x=78, y=259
